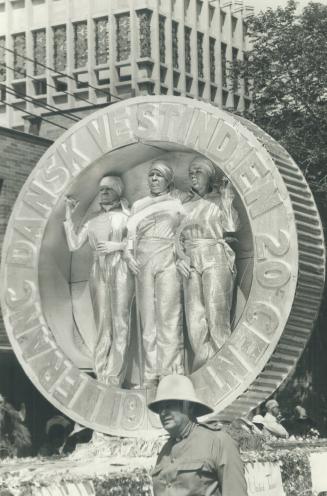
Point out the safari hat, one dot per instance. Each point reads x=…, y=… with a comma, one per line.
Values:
x=177, y=387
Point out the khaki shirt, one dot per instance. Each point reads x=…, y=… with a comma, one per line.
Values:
x=204, y=463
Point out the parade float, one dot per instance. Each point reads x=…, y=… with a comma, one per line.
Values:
x=48, y=301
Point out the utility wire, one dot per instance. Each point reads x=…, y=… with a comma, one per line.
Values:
x=47, y=84
x=14, y=92
x=107, y=93
x=34, y=115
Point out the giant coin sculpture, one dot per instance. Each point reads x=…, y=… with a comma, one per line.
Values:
x=46, y=299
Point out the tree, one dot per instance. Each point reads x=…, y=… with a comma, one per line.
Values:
x=286, y=70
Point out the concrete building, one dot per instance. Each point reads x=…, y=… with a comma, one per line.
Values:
x=104, y=50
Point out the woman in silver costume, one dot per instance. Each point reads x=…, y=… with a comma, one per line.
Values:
x=208, y=262
x=110, y=282
x=152, y=226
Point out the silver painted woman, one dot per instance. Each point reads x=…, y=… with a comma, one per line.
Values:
x=152, y=226
x=208, y=261
x=110, y=281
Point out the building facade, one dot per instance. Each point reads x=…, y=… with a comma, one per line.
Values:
x=74, y=55
x=19, y=154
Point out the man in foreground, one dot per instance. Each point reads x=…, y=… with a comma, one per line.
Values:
x=198, y=459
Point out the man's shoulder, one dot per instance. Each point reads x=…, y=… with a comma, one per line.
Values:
x=214, y=431
x=214, y=436
x=211, y=425
x=270, y=418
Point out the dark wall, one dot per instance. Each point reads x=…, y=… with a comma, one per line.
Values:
x=19, y=153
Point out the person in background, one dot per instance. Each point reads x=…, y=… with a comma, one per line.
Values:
x=80, y=435
x=259, y=422
x=301, y=425
x=57, y=430
x=198, y=459
x=272, y=420
x=15, y=438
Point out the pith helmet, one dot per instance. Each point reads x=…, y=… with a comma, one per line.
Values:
x=177, y=387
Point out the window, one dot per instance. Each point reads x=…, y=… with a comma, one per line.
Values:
x=18, y=4
x=224, y=64
x=212, y=57
x=225, y=98
x=212, y=10
x=235, y=78
x=80, y=44
x=61, y=84
x=123, y=36
x=3, y=93
x=144, y=18
x=59, y=48
x=222, y=20
x=40, y=87
x=186, y=7
x=245, y=31
x=174, y=27
x=39, y=51
x=246, y=79
x=20, y=89
x=198, y=9
x=200, y=55
x=188, y=57
x=162, y=39
x=2, y=58
x=234, y=25
x=101, y=26
x=236, y=102
x=19, y=47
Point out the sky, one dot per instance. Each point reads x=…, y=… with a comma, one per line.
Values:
x=264, y=4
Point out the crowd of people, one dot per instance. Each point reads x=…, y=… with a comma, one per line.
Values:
x=297, y=426
x=198, y=457
x=61, y=436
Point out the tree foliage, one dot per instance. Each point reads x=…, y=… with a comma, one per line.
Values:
x=287, y=73
x=286, y=69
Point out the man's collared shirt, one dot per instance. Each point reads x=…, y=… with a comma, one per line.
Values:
x=203, y=462
x=274, y=427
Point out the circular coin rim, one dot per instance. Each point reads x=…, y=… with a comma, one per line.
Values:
x=131, y=102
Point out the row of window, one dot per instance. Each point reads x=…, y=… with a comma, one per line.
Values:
x=59, y=38
x=101, y=39
x=174, y=8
